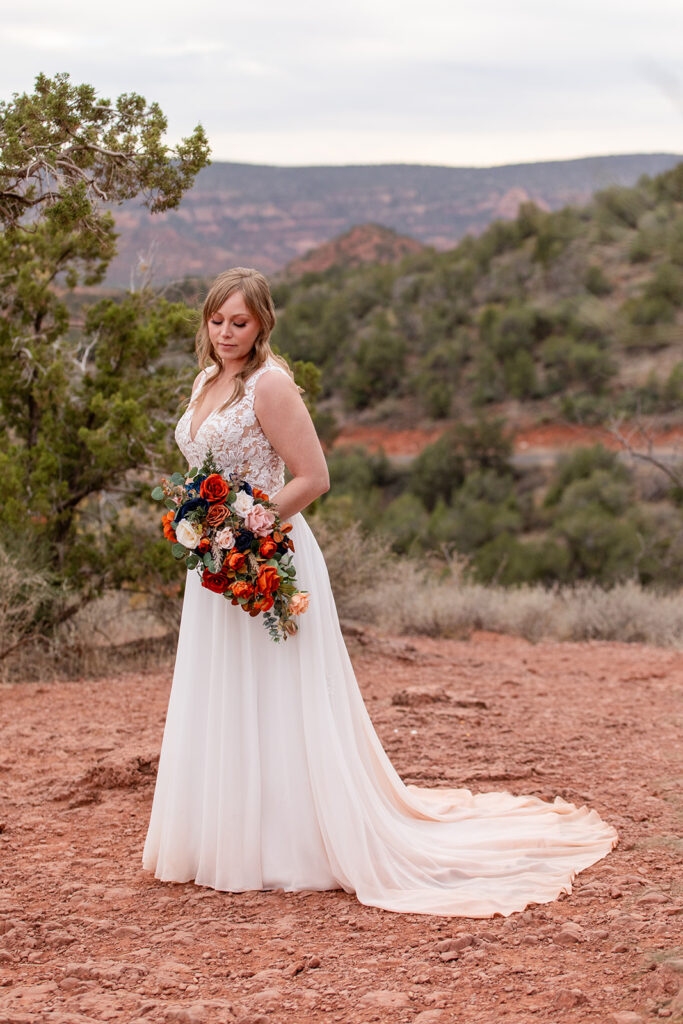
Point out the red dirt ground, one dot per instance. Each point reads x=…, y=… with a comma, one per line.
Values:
x=543, y=436
x=86, y=935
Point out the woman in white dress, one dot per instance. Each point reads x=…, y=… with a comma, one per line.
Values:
x=271, y=774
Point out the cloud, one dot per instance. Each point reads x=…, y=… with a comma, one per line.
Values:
x=487, y=78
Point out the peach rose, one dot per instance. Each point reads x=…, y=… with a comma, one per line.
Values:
x=225, y=538
x=298, y=603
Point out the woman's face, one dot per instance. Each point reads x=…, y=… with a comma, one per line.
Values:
x=233, y=331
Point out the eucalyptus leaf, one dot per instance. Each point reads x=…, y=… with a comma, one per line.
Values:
x=158, y=493
x=177, y=479
x=179, y=550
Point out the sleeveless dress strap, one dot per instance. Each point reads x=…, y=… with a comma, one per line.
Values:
x=250, y=384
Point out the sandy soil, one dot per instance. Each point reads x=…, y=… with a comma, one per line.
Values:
x=87, y=935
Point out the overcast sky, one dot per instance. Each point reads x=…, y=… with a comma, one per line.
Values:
x=457, y=82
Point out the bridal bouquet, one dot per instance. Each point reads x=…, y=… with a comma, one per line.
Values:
x=231, y=533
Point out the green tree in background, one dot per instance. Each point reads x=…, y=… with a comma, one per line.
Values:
x=85, y=409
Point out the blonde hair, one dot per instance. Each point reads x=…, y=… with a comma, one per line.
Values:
x=256, y=292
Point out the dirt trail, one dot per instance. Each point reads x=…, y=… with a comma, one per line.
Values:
x=536, y=437
x=86, y=935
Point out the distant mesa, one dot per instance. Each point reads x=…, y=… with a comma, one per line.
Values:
x=253, y=215
x=364, y=243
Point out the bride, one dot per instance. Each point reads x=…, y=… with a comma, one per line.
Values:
x=271, y=774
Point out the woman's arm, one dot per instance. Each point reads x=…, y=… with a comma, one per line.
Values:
x=287, y=424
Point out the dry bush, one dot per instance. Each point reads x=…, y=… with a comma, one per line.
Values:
x=398, y=595
x=22, y=593
x=627, y=612
x=116, y=633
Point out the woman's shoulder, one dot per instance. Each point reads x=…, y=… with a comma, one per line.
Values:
x=263, y=374
x=273, y=387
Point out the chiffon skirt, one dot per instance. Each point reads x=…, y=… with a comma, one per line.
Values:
x=271, y=775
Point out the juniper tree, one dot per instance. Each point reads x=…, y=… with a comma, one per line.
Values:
x=86, y=407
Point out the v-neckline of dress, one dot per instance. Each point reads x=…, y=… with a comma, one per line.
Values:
x=192, y=407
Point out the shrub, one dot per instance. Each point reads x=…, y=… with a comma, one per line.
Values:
x=404, y=523
x=509, y=561
x=377, y=367
x=595, y=281
x=580, y=465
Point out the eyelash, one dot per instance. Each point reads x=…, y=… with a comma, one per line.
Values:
x=219, y=322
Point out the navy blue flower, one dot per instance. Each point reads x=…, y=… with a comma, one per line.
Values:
x=196, y=483
x=243, y=540
x=244, y=486
x=188, y=506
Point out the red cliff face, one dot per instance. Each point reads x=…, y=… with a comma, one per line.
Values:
x=365, y=243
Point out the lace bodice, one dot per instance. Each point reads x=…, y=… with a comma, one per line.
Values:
x=234, y=436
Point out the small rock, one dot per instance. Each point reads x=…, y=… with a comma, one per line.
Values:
x=621, y=947
x=569, y=934
x=314, y=961
x=566, y=998
x=383, y=997
x=461, y=941
x=626, y=1017
x=295, y=968
x=450, y=956
x=652, y=897
x=430, y=1017
x=192, y=1014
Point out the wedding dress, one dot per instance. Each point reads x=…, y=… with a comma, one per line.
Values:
x=271, y=773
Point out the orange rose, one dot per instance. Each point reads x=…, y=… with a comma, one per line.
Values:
x=258, y=493
x=267, y=547
x=214, y=488
x=264, y=604
x=242, y=589
x=236, y=560
x=204, y=544
x=217, y=514
x=268, y=579
x=169, y=532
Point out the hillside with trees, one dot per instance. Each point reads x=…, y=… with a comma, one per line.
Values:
x=570, y=315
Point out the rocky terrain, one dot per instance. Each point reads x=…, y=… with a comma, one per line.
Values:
x=87, y=936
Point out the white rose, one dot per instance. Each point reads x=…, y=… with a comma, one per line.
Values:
x=225, y=538
x=242, y=503
x=188, y=534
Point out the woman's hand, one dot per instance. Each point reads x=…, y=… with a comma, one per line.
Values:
x=287, y=424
